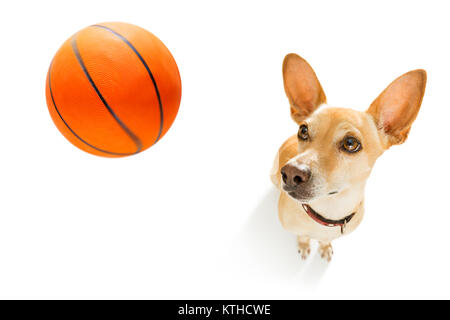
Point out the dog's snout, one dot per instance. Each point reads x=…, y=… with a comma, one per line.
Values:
x=294, y=175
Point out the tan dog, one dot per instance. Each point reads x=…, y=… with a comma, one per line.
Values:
x=322, y=171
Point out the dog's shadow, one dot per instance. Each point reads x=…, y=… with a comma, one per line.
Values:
x=263, y=242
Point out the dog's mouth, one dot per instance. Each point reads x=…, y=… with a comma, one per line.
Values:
x=305, y=195
x=300, y=196
x=325, y=221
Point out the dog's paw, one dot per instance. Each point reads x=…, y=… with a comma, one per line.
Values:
x=326, y=251
x=304, y=251
x=304, y=248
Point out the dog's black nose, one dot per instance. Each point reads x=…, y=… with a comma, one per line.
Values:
x=294, y=175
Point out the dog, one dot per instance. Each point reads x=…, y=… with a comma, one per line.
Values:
x=322, y=170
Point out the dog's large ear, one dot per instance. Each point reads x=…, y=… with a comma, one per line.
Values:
x=302, y=87
x=397, y=106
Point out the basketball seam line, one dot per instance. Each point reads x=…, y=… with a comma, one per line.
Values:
x=67, y=125
x=130, y=134
x=161, y=112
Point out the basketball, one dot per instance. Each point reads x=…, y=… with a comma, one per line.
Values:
x=113, y=89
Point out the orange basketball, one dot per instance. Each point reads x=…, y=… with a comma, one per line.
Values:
x=113, y=89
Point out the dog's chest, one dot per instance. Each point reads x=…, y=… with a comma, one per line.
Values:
x=294, y=219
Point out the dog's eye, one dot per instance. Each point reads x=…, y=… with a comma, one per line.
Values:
x=351, y=144
x=303, y=132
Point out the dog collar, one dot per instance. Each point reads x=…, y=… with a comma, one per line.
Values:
x=328, y=222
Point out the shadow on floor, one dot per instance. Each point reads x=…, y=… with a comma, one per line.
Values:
x=264, y=243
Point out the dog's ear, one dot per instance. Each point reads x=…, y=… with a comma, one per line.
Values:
x=302, y=87
x=397, y=106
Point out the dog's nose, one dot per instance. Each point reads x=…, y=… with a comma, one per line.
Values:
x=294, y=175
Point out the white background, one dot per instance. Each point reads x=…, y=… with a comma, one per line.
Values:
x=195, y=216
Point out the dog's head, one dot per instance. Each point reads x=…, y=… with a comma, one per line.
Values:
x=338, y=147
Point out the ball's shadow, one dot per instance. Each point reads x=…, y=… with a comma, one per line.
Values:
x=270, y=247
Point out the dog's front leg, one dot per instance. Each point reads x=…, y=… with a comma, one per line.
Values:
x=304, y=248
x=325, y=250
